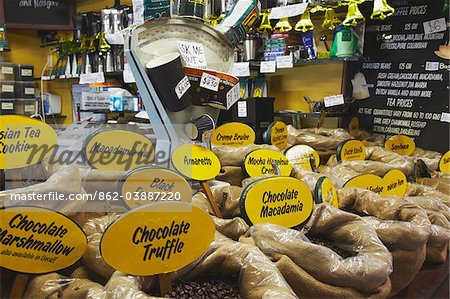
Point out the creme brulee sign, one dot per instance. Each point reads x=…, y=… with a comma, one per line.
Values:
x=157, y=238
x=24, y=141
x=37, y=240
x=233, y=134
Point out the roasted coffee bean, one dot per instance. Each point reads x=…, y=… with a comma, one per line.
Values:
x=207, y=289
x=329, y=244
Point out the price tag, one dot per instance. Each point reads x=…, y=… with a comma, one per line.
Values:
x=336, y=100
x=242, y=109
x=287, y=11
x=128, y=76
x=432, y=66
x=445, y=117
x=268, y=67
x=182, y=87
x=433, y=26
x=209, y=82
x=193, y=54
x=283, y=201
x=241, y=69
x=233, y=134
x=92, y=78
x=233, y=95
x=285, y=62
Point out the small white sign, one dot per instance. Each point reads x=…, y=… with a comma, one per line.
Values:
x=335, y=100
x=92, y=78
x=233, y=96
x=241, y=69
x=193, y=54
x=288, y=11
x=445, y=117
x=29, y=90
x=210, y=82
x=7, y=70
x=432, y=66
x=8, y=88
x=434, y=26
x=268, y=67
x=182, y=87
x=142, y=114
x=242, y=109
x=95, y=100
x=128, y=77
x=114, y=39
x=285, y=62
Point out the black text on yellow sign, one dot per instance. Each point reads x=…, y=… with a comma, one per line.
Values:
x=144, y=185
x=24, y=141
x=118, y=150
x=401, y=144
x=324, y=191
x=157, y=238
x=277, y=135
x=370, y=182
x=260, y=162
x=444, y=163
x=301, y=155
x=196, y=162
x=233, y=134
x=351, y=150
x=37, y=240
x=396, y=183
x=284, y=201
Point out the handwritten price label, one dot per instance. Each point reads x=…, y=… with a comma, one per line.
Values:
x=433, y=26
x=182, y=87
x=334, y=100
x=241, y=69
x=268, y=67
x=209, y=82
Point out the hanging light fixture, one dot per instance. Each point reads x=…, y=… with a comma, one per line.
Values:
x=354, y=16
x=283, y=25
x=304, y=24
x=331, y=20
x=381, y=10
x=265, y=27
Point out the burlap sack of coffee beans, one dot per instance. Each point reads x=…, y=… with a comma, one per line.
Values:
x=234, y=156
x=367, y=203
x=430, y=158
x=315, y=271
x=231, y=174
x=415, y=189
x=439, y=182
x=407, y=244
x=317, y=138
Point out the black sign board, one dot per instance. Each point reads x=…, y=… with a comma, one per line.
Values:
x=406, y=72
x=38, y=14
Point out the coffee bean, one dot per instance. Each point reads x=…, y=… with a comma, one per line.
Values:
x=207, y=289
x=318, y=240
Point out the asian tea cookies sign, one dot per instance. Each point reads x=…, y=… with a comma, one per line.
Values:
x=284, y=201
x=37, y=240
x=24, y=141
x=157, y=238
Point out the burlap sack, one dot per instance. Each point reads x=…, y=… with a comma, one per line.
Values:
x=440, y=183
x=100, y=181
x=422, y=190
x=234, y=156
x=308, y=177
x=430, y=158
x=367, y=203
x=339, y=174
x=407, y=244
x=324, y=273
x=231, y=174
x=318, y=138
x=369, y=139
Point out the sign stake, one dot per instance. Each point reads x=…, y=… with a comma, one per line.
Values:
x=165, y=284
x=207, y=190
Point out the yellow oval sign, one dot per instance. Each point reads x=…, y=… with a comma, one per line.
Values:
x=261, y=162
x=400, y=144
x=325, y=191
x=233, y=134
x=351, y=150
x=284, y=201
x=157, y=238
x=444, y=163
x=196, y=162
x=277, y=135
x=37, y=240
x=370, y=182
x=396, y=183
x=24, y=141
x=145, y=185
x=118, y=150
x=353, y=127
x=301, y=155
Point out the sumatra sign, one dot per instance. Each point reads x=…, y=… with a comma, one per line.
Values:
x=157, y=238
x=37, y=240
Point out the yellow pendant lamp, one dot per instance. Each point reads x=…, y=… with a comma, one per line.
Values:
x=381, y=10
x=283, y=25
x=305, y=24
x=331, y=20
x=354, y=16
x=265, y=27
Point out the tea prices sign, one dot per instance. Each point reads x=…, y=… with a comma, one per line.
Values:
x=196, y=162
x=233, y=134
x=351, y=150
x=36, y=240
x=157, y=238
x=262, y=162
x=444, y=163
x=301, y=155
x=401, y=144
x=370, y=182
x=325, y=191
x=396, y=183
x=150, y=184
x=277, y=135
x=24, y=141
x=118, y=150
x=284, y=201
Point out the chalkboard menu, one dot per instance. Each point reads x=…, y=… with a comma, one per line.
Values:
x=38, y=14
x=402, y=86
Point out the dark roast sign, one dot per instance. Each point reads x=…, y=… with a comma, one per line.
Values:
x=402, y=87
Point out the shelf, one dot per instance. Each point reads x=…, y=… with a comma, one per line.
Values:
x=64, y=77
x=108, y=111
x=257, y=64
x=5, y=49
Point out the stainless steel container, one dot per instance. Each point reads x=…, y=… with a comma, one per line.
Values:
x=252, y=48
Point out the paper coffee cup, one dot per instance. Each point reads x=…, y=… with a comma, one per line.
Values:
x=198, y=126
